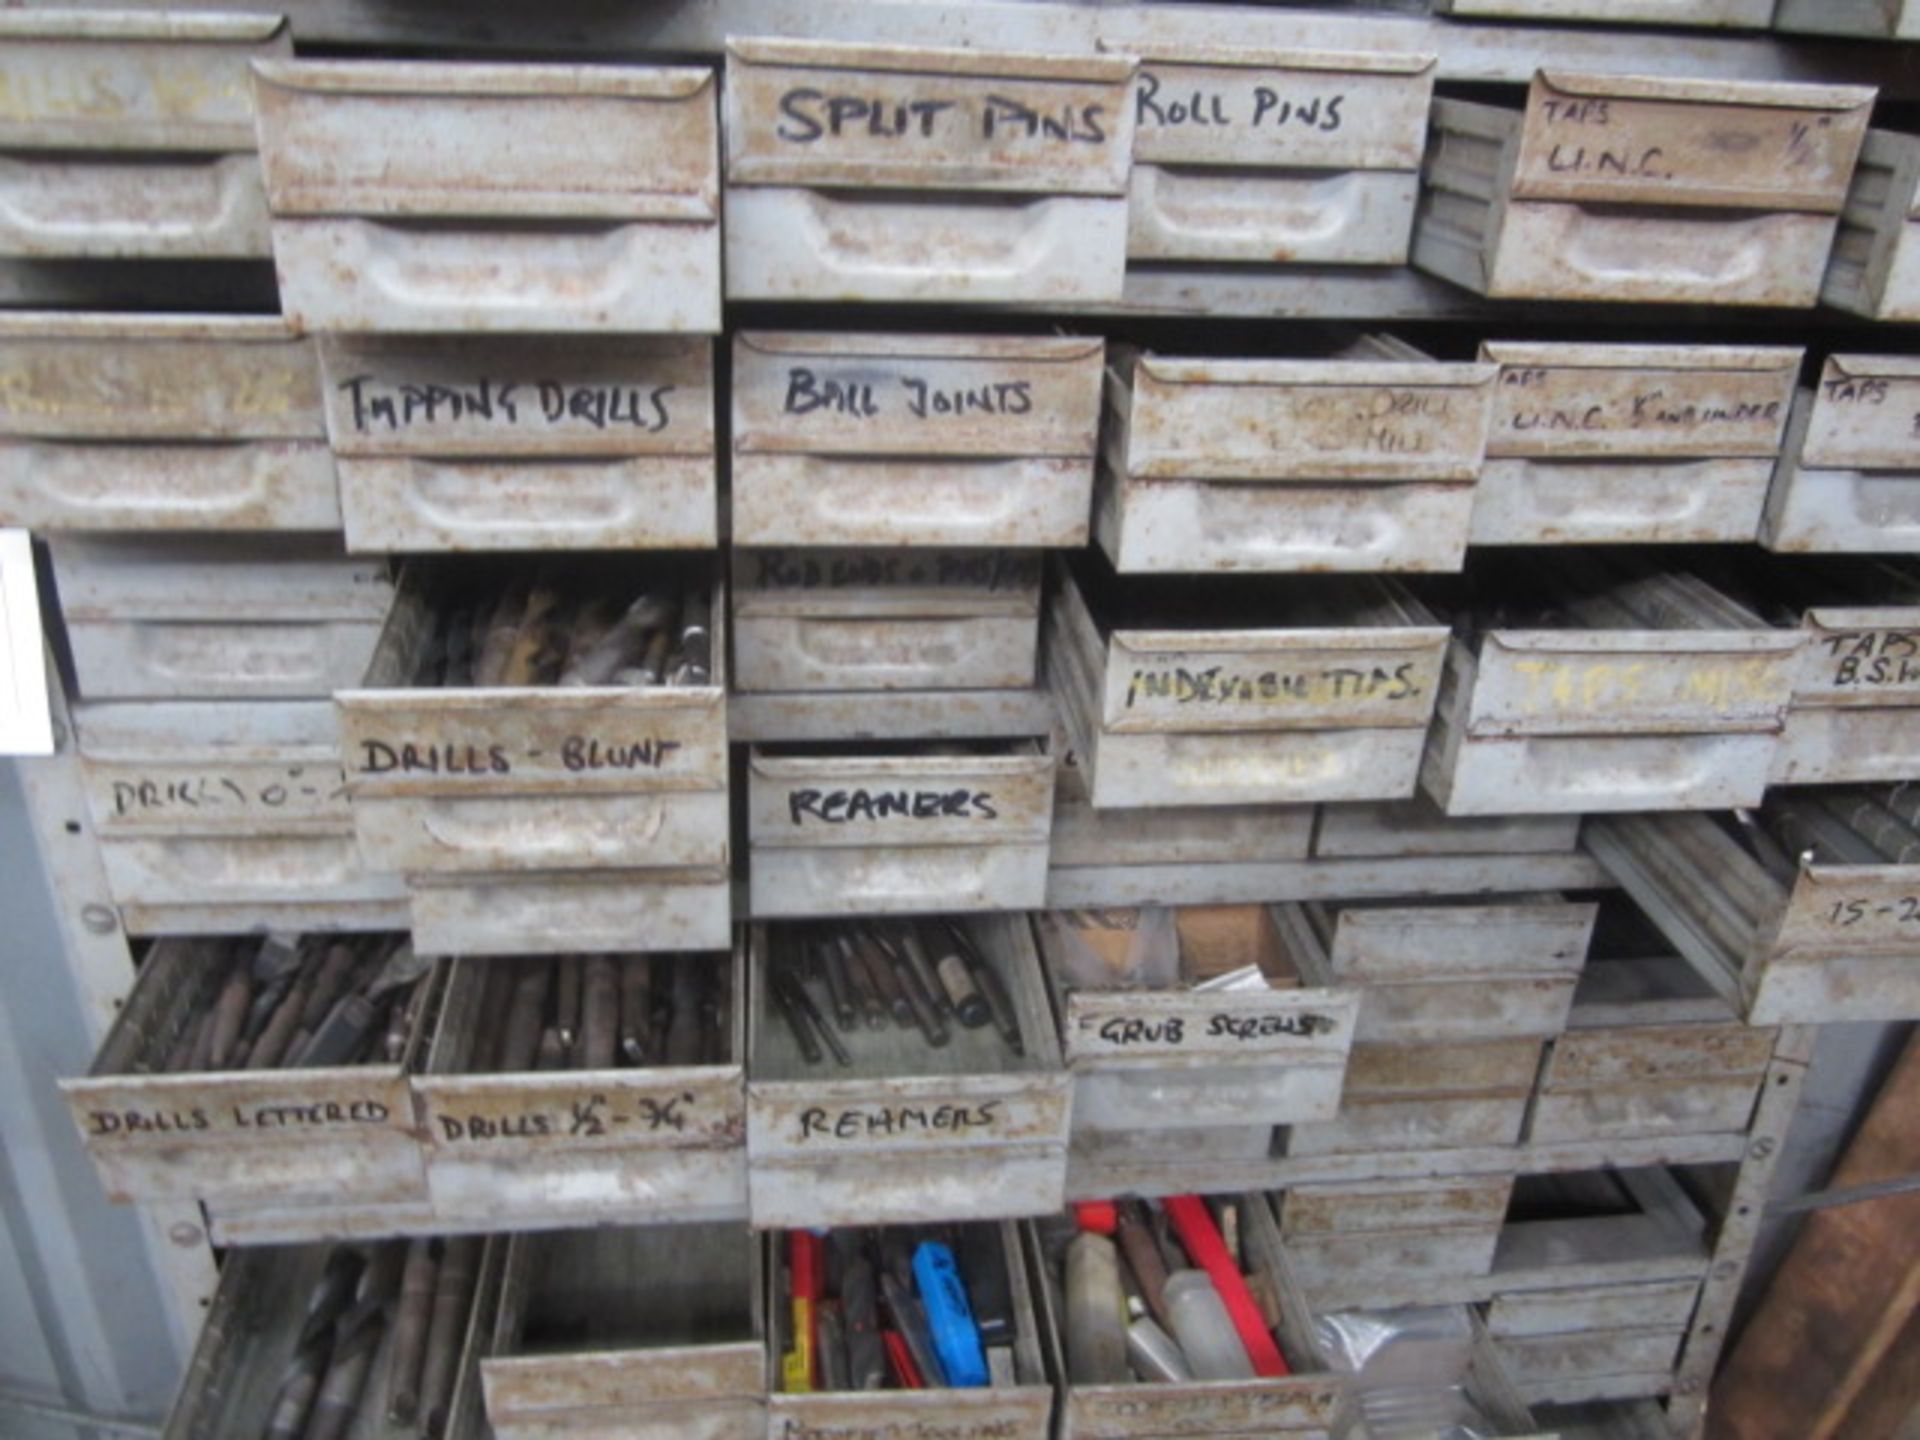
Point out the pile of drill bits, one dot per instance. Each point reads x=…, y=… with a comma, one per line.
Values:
x=560, y=630
x=1850, y=825
x=284, y=1003
x=420, y=1290
x=600, y=1012
x=924, y=975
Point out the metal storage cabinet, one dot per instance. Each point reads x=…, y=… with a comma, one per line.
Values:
x=1276, y=157
x=910, y=1133
x=161, y=422
x=523, y=444
x=581, y=1147
x=1364, y=461
x=636, y=1332
x=239, y=1137
x=922, y=440
x=1169, y=697
x=1617, y=187
x=1848, y=470
x=862, y=829
x=1312, y=1401
x=846, y=621
x=129, y=135
x=870, y=172
x=1635, y=444
x=412, y=196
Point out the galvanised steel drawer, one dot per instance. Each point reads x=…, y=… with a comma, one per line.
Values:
x=924, y=440
x=1363, y=460
x=1640, y=188
x=1631, y=444
x=523, y=444
x=129, y=135
x=1276, y=157
x=161, y=422
x=871, y=172
x=423, y=196
x=1849, y=472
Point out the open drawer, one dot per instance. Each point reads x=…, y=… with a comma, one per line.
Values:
x=1849, y=472
x=203, y=1090
x=511, y=443
x=281, y=1309
x=1011, y=183
x=422, y=196
x=1187, y=693
x=1100, y=1402
x=932, y=1116
x=650, y=1334
x=1371, y=1243
x=598, y=1089
x=856, y=827
x=1228, y=1034
x=844, y=1273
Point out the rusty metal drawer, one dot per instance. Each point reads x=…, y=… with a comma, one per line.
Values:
x=1416, y=827
x=1183, y=1057
x=1017, y=1404
x=1447, y=972
x=1625, y=444
x=1310, y=1401
x=157, y=422
x=1440, y=1095
x=1849, y=472
x=241, y=660
x=1197, y=835
x=1875, y=266
x=1623, y=1082
x=254, y=1328
x=1384, y=1242
x=1882, y=19
x=909, y=1132
x=556, y=912
x=865, y=620
x=130, y=136
x=248, y=873
x=1667, y=1303
x=855, y=828
x=1331, y=702
x=416, y=196
x=913, y=439
x=523, y=444
x=1362, y=461
x=1293, y=156
x=1736, y=14
x=1620, y=188
x=212, y=767
x=239, y=1136
x=644, y=1333
x=583, y=1145
x=1010, y=184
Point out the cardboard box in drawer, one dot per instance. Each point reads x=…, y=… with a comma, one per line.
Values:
x=421, y=196
x=1874, y=269
x=1362, y=461
x=595, y=1089
x=1631, y=444
x=936, y=440
x=1640, y=188
x=869, y=172
x=846, y=621
x=1192, y=1018
x=948, y=1103
x=1188, y=693
x=1281, y=157
x=241, y=1072
x=191, y=617
x=161, y=422
x=637, y=1332
x=1306, y=1397
x=543, y=752
x=862, y=828
x=523, y=444
x=1849, y=472
x=1881, y=19
x=1636, y=689
x=129, y=136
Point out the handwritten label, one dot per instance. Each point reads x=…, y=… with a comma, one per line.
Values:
x=201, y=794
x=911, y=1427
x=945, y=118
x=1540, y=405
x=391, y=407
x=1599, y=686
x=1173, y=1030
x=576, y=754
x=1375, y=419
x=839, y=807
x=1158, y=103
x=592, y=1115
x=879, y=1122
x=994, y=570
x=809, y=390
x=196, y=1119
x=1225, y=686
x=177, y=385
x=1869, y=659
x=1898, y=910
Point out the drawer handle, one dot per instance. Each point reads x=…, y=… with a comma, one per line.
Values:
x=497, y=270
x=542, y=496
x=250, y=654
x=1672, y=495
x=1614, y=246
x=977, y=500
x=1279, y=210
x=108, y=478
x=503, y=832
x=66, y=200
x=1886, y=502
x=855, y=233
x=905, y=646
